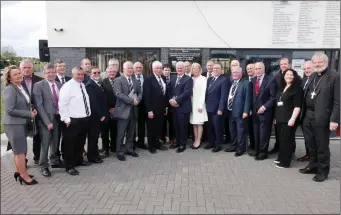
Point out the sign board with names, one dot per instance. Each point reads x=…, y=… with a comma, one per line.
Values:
x=297, y=65
x=184, y=54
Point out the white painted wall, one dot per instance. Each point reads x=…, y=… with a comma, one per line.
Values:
x=241, y=24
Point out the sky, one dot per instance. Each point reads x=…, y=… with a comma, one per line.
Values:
x=23, y=24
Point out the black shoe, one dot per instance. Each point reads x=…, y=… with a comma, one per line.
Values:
x=181, y=149
x=252, y=153
x=281, y=166
x=142, y=146
x=237, y=154
x=113, y=150
x=308, y=170
x=162, y=148
x=261, y=157
x=61, y=165
x=33, y=182
x=153, y=151
x=100, y=151
x=46, y=172
x=72, y=171
x=319, y=177
x=121, y=157
x=173, y=146
x=17, y=175
x=134, y=154
x=216, y=149
x=274, y=151
x=193, y=147
x=36, y=161
x=230, y=150
x=209, y=146
x=85, y=163
x=96, y=160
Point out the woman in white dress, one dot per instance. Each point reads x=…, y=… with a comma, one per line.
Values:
x=198, y=115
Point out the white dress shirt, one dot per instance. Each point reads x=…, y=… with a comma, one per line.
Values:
x=71, y=103
x=27, y=97
x=60, y=78
x=141, y=78
x=163, y=83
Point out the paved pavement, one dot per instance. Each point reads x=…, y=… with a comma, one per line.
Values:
x=195, y=182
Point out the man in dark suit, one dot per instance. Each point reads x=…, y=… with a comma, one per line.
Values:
x=111, y=125
x=320, y=115
x=308, y=69
x=180, y=100
x=250, y=74
x=128, y=95
x=26, y=67
x=218, y=87
x=264, y=97
x=140, y=109
x=238, y=109
x=99, y=113
x=155, y=100
x=168, y=120
x=86, y=66
x=60, y=67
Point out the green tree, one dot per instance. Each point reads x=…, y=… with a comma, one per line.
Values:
x=9, y=56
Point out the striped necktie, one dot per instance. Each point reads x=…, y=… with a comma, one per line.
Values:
x=161, y=85
x=85, y=102
x=130, y=84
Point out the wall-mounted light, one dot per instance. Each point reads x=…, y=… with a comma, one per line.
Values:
x=58, y=29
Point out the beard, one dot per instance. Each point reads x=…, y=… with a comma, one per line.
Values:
x=320, y=69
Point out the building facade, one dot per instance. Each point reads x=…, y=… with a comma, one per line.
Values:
x=196, y=31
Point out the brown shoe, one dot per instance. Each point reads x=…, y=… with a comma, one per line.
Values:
x=303, y=159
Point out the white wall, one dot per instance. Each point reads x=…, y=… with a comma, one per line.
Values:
x=241, y=24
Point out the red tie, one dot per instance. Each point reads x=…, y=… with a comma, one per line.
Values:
x=257, y=86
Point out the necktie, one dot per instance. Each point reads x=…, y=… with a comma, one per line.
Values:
x=55, y=97
x=130, y=84
x=211, y=82
x=177, y=80
x=257, y=86
x=233, y=91
x=85, y=103
x=167, y=79
x=209, y=75
x=161, y=85
x=138, y=78
x=306, y=83
x=63, y=80
x=112, y=83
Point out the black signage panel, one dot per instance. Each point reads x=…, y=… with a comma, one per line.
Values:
x=184, y=54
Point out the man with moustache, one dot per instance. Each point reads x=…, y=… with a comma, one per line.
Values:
x=86, y=65
x=320, y=115
x=128, y=95
x=218, y=87
x=180, y=100
x=308, y=70
x=264, y=97
x=155, y=99
x=60, y=67
x=99, y=116
x=46, y=95
x=111, y=125
x=140, y=109
x=250, y=69
x=166, y=71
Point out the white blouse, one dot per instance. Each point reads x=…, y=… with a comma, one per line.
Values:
x=24, y=93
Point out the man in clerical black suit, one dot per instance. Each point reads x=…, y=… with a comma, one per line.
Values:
x=320, y=115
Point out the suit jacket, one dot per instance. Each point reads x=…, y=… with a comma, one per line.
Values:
x=98, y=100
x=242, y=99
x=216, y=95
x=182, y=91
x=111, y=98
x=266, y=96
x=17, y=109
x=153, y=97
x=43, y=101
x=86, y=78
x=35, y=79
x=124, y=103
x=327, y=99
x=67, y=78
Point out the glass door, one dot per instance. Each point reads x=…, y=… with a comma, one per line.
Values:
x=147, y=57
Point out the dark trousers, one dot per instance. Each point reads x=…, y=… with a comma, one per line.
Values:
x=75, y=137
x=93, y=136
x=61, y=137
x=141, y=124
x=168, y=119
x=180, y=121
x=317, y=138
x=286, y=143
x=36, y=146
x=277, y=137
x=204, y=137
x=109, y=129
x=154, y=130
x=238, y=133
x=262, y=131
x=215, y=129
x=227, y=134
x=250, y=132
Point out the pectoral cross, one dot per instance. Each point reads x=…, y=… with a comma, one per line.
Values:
x=312, y=95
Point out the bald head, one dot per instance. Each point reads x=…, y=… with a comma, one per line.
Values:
x=259, y=69
x=250, y=69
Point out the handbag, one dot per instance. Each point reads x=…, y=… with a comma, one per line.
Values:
x=31, y=127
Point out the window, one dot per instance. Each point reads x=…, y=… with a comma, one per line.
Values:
x=224, y=57
x=271, y=62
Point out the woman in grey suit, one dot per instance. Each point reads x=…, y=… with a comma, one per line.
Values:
x=17, y=113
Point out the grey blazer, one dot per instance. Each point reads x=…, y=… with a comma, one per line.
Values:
x=124, y=103
x=43, y=101
x=17, y=109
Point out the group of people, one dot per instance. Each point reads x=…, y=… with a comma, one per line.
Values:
x=116, y=106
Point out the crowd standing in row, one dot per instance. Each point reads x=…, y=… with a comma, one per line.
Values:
x=70, y=110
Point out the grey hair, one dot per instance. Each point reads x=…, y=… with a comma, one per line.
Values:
x=320, y=55
x=76, y=69
x=25, y=61
x=261, y=64
x=137, y=63
x=156, y=63
x=237, y=69
x=308, y=62
x=125, y=64
x=48, y=66
x=112, y=60
x=179, y=63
